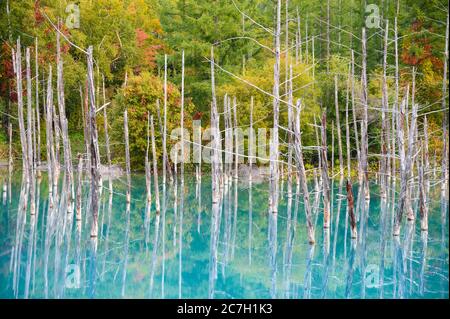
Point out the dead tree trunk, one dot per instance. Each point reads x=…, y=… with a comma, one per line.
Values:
x=64, y=128
x=148, y=178
x=95, y=158
x=401, y=150
x=127, y=155
x=423, y=205
x=183, y=155
x=396, y=106
x=328, y=37
x=79, y=187
x=299, y=42
x=325, y=177
x=105, y=126
x=161, y=132
x=29, y=136
x=338, y=126
x=166, y=166
x=351, y=214
x=411, y=142
x=49, y=136
x=251, y=144
x=38, y=113
x=17, y=63
x=364, y=137
x=290, y=122
x=10, y=157
x=444, y=164
x=384, y=126
x=347, y=128
x=355, y=124
x=273, y=202
x=426, y=156
x=155, y=168
x=301, y=168
x=215, y=160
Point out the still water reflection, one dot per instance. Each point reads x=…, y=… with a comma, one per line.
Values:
x=239, y=252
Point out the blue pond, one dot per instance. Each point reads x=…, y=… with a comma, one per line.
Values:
x=139, y=254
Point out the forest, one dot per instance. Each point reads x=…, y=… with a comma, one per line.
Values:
x=130, y=39
x=204, y=148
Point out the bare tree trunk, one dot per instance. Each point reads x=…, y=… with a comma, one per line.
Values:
x=10, y=157
x=325, y=177
x=332, y=148
x=306, y=42
x=384, y=126
x=85, y=113
x=403, y=179
x=161, y=132
x=251, y=144
x=49, y=137
x=351, y=214
x=228, y=156
x=301, y=168
x=17, y=63
x=215, y=160
x=164, y=137
x=347, y=128
x=299, y=42
x=444, y=164
x=355, y=124
x=274, y=176
x=328, y=37
x=338, y=125
x=148, y=178
x=290, y=122
x=411, y=148
x=38, y=113
x=29, y=136
x=423, y=205
x=236, y=141
x=64, y=129
x=95, y=157
x=155, y=168
x=397, y=94
x=79, y=187
x=105, y=126
x=364, y=137
x=127, y=155
x=183, y=155
x=426, y=156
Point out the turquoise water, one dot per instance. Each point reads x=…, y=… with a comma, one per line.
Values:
x=178, y=254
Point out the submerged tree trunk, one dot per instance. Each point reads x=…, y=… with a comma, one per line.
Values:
x=325, y=177
x=301, y=168
x=423, y=205
x=401, y=150
x=351, y=214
